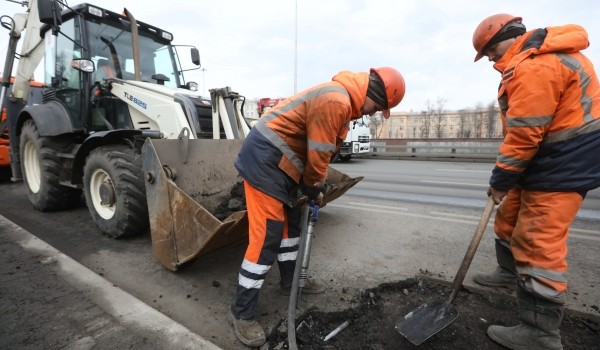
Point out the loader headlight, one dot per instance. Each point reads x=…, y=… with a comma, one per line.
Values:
x=166, y=35
x=83, y=65
x=95, y=11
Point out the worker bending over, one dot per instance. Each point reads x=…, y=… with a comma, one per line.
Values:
x=289, y=149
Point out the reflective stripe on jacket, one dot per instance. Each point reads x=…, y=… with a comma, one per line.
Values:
x=295, y=141
x=550, y=107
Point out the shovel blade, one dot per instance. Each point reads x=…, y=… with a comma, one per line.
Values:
x=426, y=320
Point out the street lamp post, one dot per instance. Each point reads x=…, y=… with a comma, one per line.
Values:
x=296, y=49
x=203, y=82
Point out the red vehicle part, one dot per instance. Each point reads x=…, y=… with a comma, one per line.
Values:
x=4, y=133
x=264, y=104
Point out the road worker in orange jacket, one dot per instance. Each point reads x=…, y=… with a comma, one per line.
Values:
x=290, y=148
x=549, y=97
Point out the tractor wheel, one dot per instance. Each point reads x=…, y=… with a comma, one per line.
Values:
x=115, y=192
x=5, y=173
x=41, y=167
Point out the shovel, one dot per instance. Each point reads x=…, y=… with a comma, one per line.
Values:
x=430, y=318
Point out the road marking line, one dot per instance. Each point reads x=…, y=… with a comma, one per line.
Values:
x=382, y=209
x=360, y=205
x=455, y=215
x=579, y=230
x=584, y=231
x=379, y=210
x=584, y=237
x=454, y=183
x=466, y=170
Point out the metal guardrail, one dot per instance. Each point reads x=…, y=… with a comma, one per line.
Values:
x=442, y=150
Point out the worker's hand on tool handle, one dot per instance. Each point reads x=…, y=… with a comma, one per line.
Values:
x=315, y=209
x=496, y=194
x=315, y=192
x=319, y=200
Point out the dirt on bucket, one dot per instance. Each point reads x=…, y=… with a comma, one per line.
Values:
x=236, y=202
x=372, y=321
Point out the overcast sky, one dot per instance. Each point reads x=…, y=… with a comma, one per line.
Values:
x=250, y=45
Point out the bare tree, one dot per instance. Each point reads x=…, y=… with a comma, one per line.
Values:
x=391, y=130
x=463, y=116
x=377, y=123
x=414, y=124
x=468, y=133
x=438, y=117
x=425, y=124
x=477, y=117
x=373, y=127
x=433, y=119
x=492, y=114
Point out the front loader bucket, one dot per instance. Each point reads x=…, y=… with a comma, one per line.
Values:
x=187, y=182
x=196, y=199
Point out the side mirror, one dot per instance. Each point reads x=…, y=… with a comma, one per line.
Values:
x=192, y=86
x=195, y=56
x=49, y=12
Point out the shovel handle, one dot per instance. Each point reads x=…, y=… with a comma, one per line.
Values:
x=464, y=267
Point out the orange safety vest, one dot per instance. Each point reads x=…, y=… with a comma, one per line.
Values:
x=294, y=141
x=549, y=99
x=309, y=127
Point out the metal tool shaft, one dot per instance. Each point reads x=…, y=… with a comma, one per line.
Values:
x=336, y=331
x=309, y=219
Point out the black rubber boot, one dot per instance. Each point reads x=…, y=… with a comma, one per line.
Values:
x=538, y=330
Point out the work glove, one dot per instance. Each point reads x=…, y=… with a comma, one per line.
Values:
x=314, y=193
x=496, y=194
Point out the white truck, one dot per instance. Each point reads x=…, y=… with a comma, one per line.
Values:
x=358, y=140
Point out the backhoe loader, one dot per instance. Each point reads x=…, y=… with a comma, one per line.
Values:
x=146, y=150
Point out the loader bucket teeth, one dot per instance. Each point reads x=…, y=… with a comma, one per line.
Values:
x=200, y=210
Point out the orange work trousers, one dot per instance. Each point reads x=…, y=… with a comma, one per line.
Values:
x=274, y=235
x=270, y=224
x=536, y=223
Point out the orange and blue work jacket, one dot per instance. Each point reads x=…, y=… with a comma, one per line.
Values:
x=549, y=99
x=294, y=141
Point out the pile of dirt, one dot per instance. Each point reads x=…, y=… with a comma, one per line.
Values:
x=372, y=321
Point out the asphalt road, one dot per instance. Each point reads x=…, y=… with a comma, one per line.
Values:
x=406, y=218
x=450, y=183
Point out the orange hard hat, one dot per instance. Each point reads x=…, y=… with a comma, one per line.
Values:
x=394, y=87
x=490, y=27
